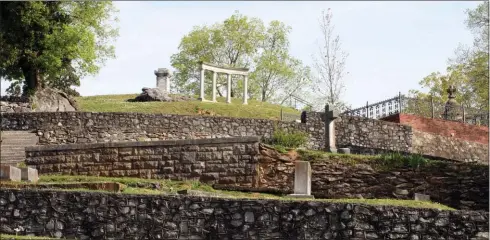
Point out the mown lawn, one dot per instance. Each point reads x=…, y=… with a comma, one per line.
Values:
x=14, y=237
x=147, y=186
x=119, y=103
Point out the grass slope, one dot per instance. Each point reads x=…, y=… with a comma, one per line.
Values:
x=136, y=186
x=118, y=103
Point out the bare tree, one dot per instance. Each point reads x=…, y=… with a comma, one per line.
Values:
x=330, y=66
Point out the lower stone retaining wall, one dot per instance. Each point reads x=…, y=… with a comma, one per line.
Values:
x=223, y=161
x=458, y=185
x=85, y=215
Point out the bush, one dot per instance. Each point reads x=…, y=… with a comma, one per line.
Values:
x=396, y=159
x=292, y=140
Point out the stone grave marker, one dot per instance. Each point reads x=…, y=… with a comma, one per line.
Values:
x=10, y=173
x=330, y=116
x=29, y=174
x=421, y=197
x=302, y=180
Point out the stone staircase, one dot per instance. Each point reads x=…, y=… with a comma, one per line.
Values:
x=13, y=146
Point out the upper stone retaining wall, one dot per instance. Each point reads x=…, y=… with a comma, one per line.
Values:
x=86, y=127
x=223, y=161
x=89, y=215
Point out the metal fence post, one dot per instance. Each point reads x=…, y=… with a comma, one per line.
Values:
x=432, y=105
x=367, y=109
x=399, y=102
x=281, y=115
x=464, y=114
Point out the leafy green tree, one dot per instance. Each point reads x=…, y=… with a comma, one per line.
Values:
x=54, y=43
x=232, y=43
x=275, y=70
x=240, y=41
x=467, y=71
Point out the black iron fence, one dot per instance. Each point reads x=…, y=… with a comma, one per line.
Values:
x=290, y=117
x=425, y=107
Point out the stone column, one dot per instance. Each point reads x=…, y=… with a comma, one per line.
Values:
x=201, y=95
x=330, y=117
x=167, y=82
x=163, y=79
x=214, y=86
x=228, y=90
x=245, y=90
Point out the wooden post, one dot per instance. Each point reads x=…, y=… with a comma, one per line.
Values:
x=432, y=105
x=281, y=114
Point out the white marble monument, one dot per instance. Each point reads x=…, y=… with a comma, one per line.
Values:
x=302, y=180
x=163, y=79
x=228, y=71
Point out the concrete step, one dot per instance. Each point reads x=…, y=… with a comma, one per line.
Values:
x=12, y=149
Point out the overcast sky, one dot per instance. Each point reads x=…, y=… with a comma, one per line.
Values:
x=391, y=45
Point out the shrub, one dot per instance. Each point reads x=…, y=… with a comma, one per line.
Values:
x=396, y=159
x=292, y=140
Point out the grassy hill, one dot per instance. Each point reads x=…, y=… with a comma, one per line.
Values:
x=119, y=103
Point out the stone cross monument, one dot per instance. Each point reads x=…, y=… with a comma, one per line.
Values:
x=330, y=116
x=163, y=79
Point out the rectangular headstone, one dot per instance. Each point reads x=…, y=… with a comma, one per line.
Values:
x=421, y=197
x=10, y=173
x=302, y=178
x=29, y=174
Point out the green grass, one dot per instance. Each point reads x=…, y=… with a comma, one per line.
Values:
x=381, y=162
x=141, y=186
x=118, y=103
x=7, y=237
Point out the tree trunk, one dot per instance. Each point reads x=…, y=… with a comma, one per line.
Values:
x=32, y=80
x=263, y=96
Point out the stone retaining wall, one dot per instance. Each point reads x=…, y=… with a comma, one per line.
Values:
x=441, y=127
x=87, y=215
x=449, y=148
x=86, y=127
x=223, y=161
x=458, y=185
x=11, y=107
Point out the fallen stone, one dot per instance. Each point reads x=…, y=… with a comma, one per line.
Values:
x=401, y=192
x=52, y=100
x=10, y=173
x=158, y=95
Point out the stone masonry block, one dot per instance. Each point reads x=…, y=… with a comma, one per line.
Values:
x=10, y=173
x=188, y=157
